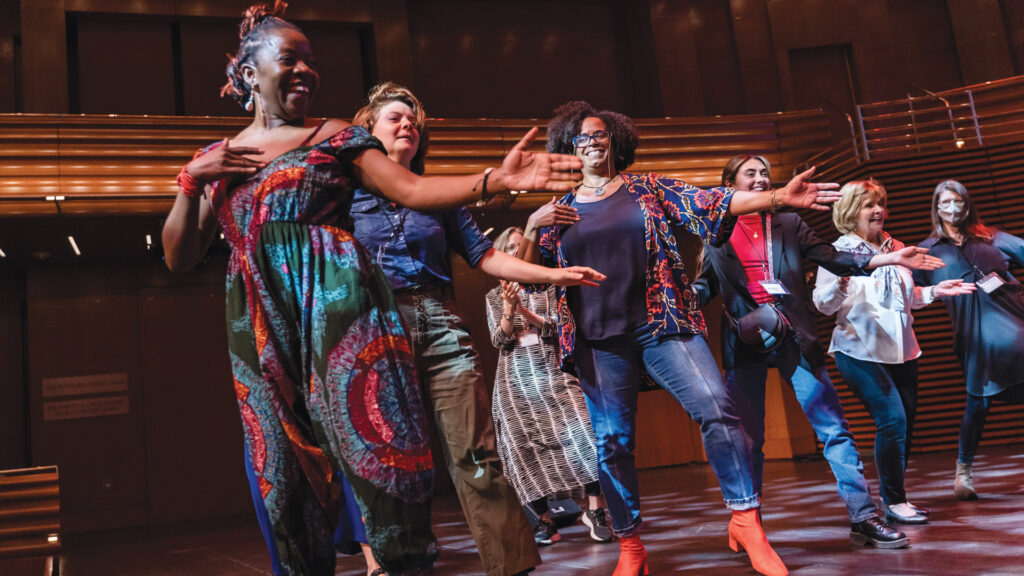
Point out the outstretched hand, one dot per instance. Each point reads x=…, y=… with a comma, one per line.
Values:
x=224, y=161
x=524, y=170
x=801, y=193
x=916, y=258
x=576, y=276
x=953, y=287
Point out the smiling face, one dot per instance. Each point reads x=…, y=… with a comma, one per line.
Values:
x=395, y=127
x=871, y=216
x=597, y=155
x=283, y=72
x=752, y=176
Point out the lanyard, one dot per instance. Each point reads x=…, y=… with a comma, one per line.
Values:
x=767, y=259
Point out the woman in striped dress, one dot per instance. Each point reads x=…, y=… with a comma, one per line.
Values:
x=541, y=421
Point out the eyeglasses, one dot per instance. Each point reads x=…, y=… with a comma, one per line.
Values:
x=585, y=139
x=947, y=204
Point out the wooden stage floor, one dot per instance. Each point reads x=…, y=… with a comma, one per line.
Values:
x=685, y=530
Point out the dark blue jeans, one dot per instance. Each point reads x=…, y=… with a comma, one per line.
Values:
x=975, y=414
x=610, y=372
x=818, y=398
x=889, y=392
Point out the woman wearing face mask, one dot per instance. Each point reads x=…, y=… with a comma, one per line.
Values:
x=322, y=367
x=873, y=342
x=988, y=325
x=645, y=317
x=540, y=416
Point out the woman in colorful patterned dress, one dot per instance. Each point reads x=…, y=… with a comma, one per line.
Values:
x=321, y=362
x=540, y=416
x=645, y=318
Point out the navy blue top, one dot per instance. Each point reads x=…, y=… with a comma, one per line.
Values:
x=412, y=247
x=610, y=236
x=988, y=329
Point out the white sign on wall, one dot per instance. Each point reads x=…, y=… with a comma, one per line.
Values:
x=81, y=385
x=86, y=407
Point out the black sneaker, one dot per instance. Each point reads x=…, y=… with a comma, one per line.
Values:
x=598, y=524
x=545, y=534
x=875, y=532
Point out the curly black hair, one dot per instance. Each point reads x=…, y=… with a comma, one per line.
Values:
x=257, y=20
x=566, y=125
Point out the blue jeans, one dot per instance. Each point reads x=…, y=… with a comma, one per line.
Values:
x=975, y=414
x=820, y=403
x=610, y=371
x=889, y=392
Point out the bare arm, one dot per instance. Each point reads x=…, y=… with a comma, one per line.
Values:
x=512, y=269
x=191, y=223
x=187, y=232
x=797, y=193
x=521, y=170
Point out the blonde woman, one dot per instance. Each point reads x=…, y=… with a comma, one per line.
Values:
x=540, y=415
x=873, y=342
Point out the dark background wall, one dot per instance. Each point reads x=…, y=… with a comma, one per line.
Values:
x=468, y=58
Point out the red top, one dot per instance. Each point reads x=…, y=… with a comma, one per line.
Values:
x=749, y=243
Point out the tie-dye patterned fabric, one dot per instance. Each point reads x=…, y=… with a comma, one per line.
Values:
x=322, y=365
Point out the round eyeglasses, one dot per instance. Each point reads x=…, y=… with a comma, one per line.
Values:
x=596, y=136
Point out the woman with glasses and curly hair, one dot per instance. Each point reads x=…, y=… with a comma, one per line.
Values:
x=645, y=318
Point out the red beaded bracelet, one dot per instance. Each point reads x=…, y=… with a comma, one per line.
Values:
x=190, y=187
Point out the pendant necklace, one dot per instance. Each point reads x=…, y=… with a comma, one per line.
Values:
x=600, y=190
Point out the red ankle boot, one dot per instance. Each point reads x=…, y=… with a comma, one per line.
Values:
x=632, y=557
x=745, y=531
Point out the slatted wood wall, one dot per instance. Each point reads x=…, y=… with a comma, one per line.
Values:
x=992, y=175
x=125, y=165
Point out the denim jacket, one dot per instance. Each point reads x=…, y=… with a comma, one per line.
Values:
x=672, y=307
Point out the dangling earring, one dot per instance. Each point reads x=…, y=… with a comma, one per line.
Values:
x=248, y=102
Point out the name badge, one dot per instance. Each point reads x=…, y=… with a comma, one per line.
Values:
x=529, y=339
x=990, y=283
x=774, y=287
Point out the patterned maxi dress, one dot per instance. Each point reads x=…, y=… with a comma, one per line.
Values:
x=541, y=420
x=321, y=362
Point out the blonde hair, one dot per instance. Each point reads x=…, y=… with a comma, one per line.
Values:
x=385, y=93
x=502, y=240
x=852, y=195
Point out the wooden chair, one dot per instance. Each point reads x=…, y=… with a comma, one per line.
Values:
x=30, y=516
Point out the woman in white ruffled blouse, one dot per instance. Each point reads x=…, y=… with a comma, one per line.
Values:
x=873, y=343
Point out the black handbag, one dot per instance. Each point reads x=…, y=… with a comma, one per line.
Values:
x=764, y=324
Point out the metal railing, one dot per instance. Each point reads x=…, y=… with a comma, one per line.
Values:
x=971, y=116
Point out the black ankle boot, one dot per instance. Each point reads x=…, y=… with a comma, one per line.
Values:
x=875, y=532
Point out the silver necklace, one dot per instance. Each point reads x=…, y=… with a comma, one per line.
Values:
x=600, y=190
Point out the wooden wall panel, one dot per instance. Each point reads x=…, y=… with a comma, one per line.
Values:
x=991, y=174
x=194, y=464
x=522, y=59
x=13, y=425
x=124, y=66
x=80, y=323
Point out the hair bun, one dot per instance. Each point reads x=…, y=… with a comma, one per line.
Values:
x=384, y=91
x=255, y=15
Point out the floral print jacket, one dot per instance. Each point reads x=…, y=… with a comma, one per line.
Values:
x=672, y=307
